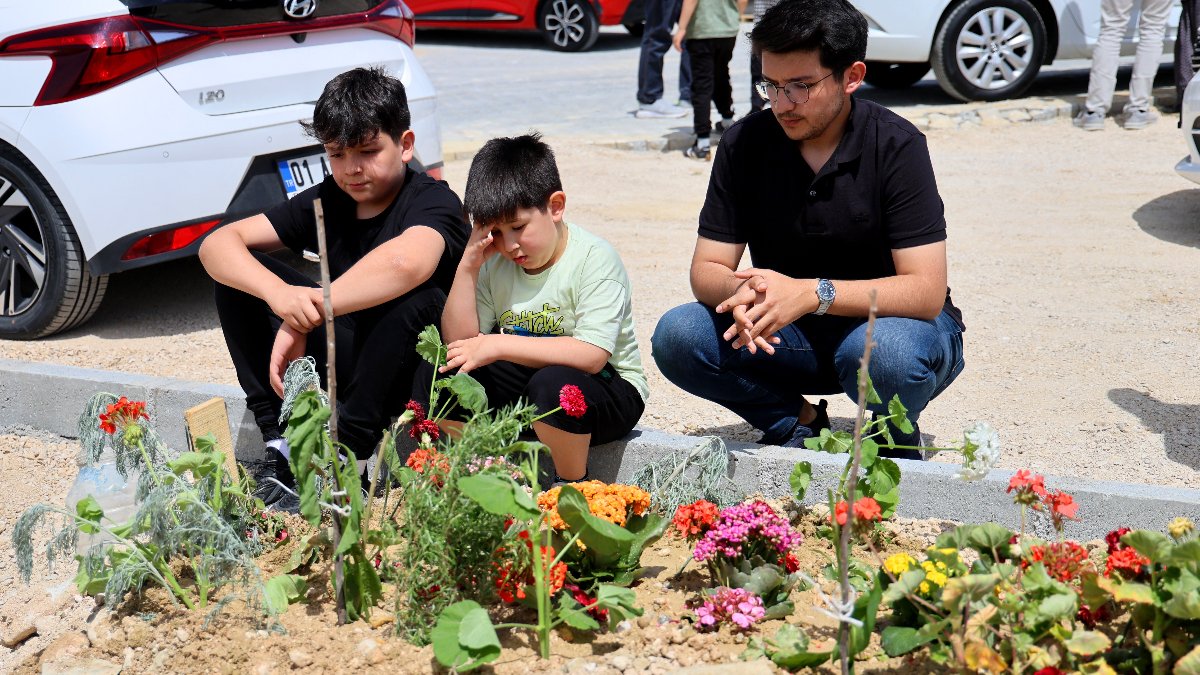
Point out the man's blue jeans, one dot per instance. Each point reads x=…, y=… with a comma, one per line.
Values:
x=818, y=355
x=661, y=16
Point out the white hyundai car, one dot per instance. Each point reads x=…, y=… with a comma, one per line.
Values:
x=982, y=50
x=129, y=129
x=1189, y=167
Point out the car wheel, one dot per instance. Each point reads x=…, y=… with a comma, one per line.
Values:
x=44, y=284
x=989, y=50
x=636, y=29
x=568, y=25
x=895, y=75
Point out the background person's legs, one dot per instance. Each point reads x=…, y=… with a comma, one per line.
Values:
x=1114, y=17
x=1152, y=24
x=722, y=83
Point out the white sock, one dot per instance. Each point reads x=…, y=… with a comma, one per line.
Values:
x=281, y=446
x=702, y=143
x=726, y=121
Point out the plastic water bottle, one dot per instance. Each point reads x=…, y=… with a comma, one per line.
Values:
x=114, y=494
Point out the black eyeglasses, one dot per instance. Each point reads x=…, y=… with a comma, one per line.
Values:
x=796, y=92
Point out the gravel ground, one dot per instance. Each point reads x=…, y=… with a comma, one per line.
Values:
x=1072, y=255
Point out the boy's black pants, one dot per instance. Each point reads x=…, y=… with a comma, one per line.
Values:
x=376, y=356
x=710, y=59
x=614, y=405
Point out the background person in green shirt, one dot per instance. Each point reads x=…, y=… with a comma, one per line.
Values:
x=552, y=309
x=710, y=28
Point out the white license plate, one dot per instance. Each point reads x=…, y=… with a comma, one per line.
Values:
x=301, y=173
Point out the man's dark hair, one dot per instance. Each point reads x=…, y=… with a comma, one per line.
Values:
x=508, y=174
x=833, y=28
x=357, y=105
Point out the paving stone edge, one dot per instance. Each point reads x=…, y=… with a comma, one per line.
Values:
x=49, y=397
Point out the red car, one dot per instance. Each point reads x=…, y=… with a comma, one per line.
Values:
x=566, y=25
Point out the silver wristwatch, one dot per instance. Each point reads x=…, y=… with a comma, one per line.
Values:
x=825, y=294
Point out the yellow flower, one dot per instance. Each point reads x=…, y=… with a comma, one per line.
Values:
x=935, y=573
x=899, y=564
x=1180, y=528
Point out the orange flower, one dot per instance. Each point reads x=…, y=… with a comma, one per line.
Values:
x=693, y=520
x=865, y=510
x=121, y=414
x=430, y=463
x=612, y=502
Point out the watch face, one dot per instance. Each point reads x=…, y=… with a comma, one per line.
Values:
x=825, y=290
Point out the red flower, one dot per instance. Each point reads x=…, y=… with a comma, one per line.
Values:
x=693, y=520
x=430, y=463
x=1064, y=561
x=1114, y=539
x=1049, y=670
x=508, y=586
x=1125, y=560
x=1090, y=618
x=1030, y=488
x=571, y=399
x=790, y=562
x=865, y=510
x=424, y=427
x=584, y=599
x=417, y=409
x=121, y=414
x=1061, y=505
x=281, y=535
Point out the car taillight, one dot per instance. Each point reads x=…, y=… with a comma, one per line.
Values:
x=168, y=240
x=91, y=56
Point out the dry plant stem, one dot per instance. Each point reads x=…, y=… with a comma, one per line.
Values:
x=851, y=484
x=331, y=386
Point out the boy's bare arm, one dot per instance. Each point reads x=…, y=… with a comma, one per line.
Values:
x=685, y=17
x=226, y=257
x=534, y=352
x=391, y=270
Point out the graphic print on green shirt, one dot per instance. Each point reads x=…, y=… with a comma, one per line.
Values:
x=527, y=322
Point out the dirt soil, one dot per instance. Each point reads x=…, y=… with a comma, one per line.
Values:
x=148, y=635
x=1073, y=257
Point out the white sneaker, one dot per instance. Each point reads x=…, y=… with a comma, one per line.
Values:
x=1089, y=120
x=1139, y=119
x=660, y=109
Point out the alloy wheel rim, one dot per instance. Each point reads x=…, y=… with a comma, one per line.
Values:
x=22, y=251
x=564, y=22
x=994, y=48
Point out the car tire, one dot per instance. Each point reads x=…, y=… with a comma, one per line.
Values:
x=1009, y=56
x=883, y=75
x=568, y=25
x=45, y=287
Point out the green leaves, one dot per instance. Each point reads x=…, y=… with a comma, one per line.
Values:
x=605, y=540
x=306, y=440
x=429, y=346
x=572, y=613
x=201, y=464
x=899, y=415
x=282, y=590
x=499, y=495
x=800, y=479
x=464, y=637
x=1184, y=587
x=788, y=649
x=1154, y=545
x=89, y=512
x=471, y=395
x=899, y=640
x=621, y=603
x=1086, y=643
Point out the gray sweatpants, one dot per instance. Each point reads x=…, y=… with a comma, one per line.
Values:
x=1114, y=17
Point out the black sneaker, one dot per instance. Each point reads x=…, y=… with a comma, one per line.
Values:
x=277, y=476
x=796, y=437
x=722, y=126
x=696, y=152
x=913, y=440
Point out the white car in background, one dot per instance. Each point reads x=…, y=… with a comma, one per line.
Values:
x=129, y=129
x=982, y=50
x=1189, y=167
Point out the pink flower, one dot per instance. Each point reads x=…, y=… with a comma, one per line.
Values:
x=733, y=605
x=571, y=399
x=744, y=530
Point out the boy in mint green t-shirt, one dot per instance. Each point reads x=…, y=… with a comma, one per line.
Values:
x=538, y=304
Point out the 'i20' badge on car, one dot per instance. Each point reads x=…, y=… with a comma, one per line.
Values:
x=299, y=9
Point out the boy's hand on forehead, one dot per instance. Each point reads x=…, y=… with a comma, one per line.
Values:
x=480, y=247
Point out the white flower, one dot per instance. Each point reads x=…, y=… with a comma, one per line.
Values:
x=981, y=451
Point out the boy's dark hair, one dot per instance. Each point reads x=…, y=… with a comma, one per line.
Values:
x=508, y=174
x=833, y=28
x=357, y=105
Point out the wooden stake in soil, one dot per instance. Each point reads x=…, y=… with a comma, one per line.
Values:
x=851, y=484
x=331, y=389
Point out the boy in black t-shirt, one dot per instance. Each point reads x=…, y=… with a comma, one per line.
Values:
x=394, y=238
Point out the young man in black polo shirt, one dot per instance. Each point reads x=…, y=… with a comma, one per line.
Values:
x=394, y=238
x=835, y=197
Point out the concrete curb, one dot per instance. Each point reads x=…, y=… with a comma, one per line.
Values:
x=49, y=397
